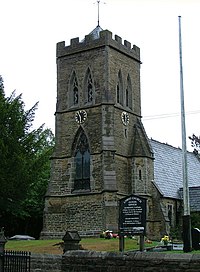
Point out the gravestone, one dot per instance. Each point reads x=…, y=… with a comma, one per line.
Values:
x=195, y=238
x=71, y=241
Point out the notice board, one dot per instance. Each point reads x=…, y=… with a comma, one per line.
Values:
x=132, y=215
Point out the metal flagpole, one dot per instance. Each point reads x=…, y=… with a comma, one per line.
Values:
x=187, y=247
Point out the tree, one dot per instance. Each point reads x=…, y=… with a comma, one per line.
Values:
x=33, y=204
x=24, y=162
x=195, y=143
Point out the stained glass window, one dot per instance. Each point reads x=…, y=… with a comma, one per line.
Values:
x=82, y=165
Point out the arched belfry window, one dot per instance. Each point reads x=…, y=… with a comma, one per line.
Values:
x=119, y=89
x=74, y=90
x=128, y=93
x=81, y=162
x=89, y=87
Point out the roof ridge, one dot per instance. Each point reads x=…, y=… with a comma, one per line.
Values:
x=169, y=145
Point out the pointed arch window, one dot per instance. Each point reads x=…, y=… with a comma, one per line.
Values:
x=82, y=164
x=89, y=87
x=74, y=90
x=119, y=89
x=128, y=93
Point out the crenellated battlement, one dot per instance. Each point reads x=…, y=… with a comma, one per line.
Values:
x=90, y=42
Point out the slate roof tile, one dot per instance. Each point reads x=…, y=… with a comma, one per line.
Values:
x=168, y=169
x=194, y=196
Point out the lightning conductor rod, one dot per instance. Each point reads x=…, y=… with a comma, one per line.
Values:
x=186, y=204
x=98, y=2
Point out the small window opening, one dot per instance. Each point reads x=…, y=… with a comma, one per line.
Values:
x=125, y=133
x=117, y=93
x=127, y=102
x=140, y=174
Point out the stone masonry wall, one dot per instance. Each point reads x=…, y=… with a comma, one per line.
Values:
x=46, y=263
x=83, y=213
x=82, y=261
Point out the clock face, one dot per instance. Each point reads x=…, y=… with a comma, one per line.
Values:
x=125, y=118
x=80, y=116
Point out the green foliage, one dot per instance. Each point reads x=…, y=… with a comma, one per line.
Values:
x=176, y=233
x=195, y=220
x=195, y=143
x=34, y=202
x=24, y=161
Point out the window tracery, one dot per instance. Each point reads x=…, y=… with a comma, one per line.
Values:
x=82, y=164
x=74, y=90
x=119, y=89
x=89, y=87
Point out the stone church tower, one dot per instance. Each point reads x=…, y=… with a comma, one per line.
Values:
x=102, y=152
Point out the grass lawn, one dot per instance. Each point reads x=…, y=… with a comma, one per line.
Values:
x=48, y=246
x=98, y=244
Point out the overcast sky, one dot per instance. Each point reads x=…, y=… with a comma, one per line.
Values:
x=30, y=30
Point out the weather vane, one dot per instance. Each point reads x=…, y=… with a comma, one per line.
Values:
x=98, y=2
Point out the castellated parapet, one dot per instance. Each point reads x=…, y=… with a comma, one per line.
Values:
x=105, y=39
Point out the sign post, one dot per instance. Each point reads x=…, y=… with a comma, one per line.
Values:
x=132, y=219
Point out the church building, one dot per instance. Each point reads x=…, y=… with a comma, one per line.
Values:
x=102, y=153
